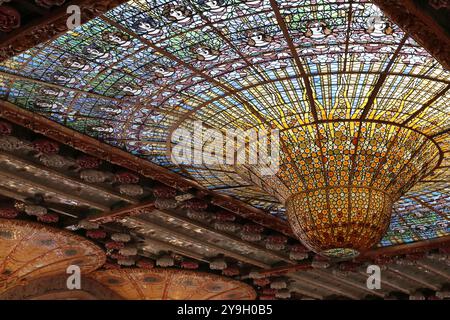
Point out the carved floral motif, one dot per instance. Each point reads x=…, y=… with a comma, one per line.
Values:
x=94, y=176
x=9, y=18
x=96, y=234
x=35, y=210
x=121, y=237
x=132, y=190
x=49, y=3
x=46, y=146
x=164, y=192
x=127, y=177
x=55, y=161
x=166, y=204
x=88, y=162
x=196, y=205
x=218, y=264
x=9, y=213
x=114, y=245
x=439, y=4
x=10, y=143
x=5, y=128
x=145, y=264
x=48, y=218
x=165, y=261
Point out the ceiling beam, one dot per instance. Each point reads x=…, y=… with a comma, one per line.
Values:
x=6, y=176
x=112, y=216
x=93, y=147
x=402, y=273
x=299, y=289
x=22, y=198
x=227, y=236
x=203, y=243
x=55, y=174
x=389, y=283
x=170, y=247
x=433, y=269
x=286, y=269
x=358, y=286
x=303, y=277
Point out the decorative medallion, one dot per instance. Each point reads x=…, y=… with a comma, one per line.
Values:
x=29, y=251
x=172, y=284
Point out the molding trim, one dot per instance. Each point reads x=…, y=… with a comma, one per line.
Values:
x=420, y=26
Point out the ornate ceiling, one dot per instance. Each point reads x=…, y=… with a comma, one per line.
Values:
x=173, y=285
x=118, y=87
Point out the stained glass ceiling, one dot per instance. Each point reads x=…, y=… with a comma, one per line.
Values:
x=132, y=76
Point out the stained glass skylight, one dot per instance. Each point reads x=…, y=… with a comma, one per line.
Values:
x=132, y=76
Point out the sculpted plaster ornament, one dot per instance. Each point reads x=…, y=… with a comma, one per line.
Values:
x=126, y=262
x=294, y=255
x=132, y=190
x=283, y=294
x=166, y=203
x=197, y=215
x=251, y=237
x=165, y=261
x=218, y=264
x=93, y=176
x=55, y=161
x=278, y=284
x=88, y=225
x=35, y=210
x=121, y=237
x=128, y=251
x=226, y=226
x=10, y=143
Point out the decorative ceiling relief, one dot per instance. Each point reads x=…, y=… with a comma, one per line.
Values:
x=170, y=284
x=29, y=251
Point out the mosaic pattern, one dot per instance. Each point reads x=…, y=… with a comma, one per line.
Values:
x=29, y=251
x=172, y=284
x=340, y=186
x=132, y=76
x=326, y=223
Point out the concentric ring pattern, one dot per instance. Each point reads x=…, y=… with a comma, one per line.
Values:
x=29, y=251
